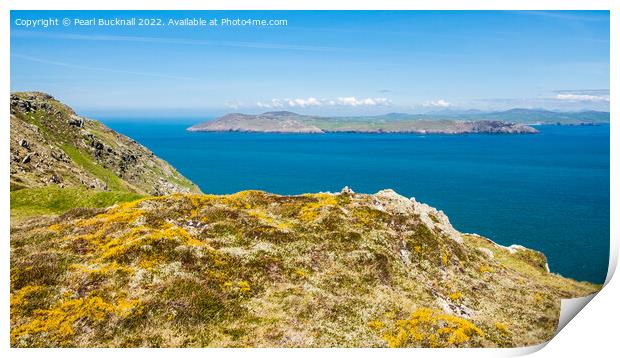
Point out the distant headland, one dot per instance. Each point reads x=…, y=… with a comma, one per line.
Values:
x=514, y=121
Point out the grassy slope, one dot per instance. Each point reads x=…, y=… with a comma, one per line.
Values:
x=55, y=200
x=84, y=161
x=175, y=177
x=78, y=156
x=256, y=269
x=385, y=125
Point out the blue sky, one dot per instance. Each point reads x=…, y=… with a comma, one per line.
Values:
x=337, y=62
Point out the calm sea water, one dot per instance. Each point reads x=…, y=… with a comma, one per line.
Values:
x=548, y=191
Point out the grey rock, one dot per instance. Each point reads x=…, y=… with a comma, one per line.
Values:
x=27, y=159
x=24, y=143
x=76, y=121
x=347, y=190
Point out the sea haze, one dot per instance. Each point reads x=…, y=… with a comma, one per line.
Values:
x=548, y=191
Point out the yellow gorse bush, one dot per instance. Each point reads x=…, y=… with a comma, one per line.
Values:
x=428, y=328
x=59, y=322
x=312, y=210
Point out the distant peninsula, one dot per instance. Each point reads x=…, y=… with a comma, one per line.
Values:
x=289, y=122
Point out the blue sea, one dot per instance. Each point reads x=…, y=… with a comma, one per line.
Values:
x=548, y=191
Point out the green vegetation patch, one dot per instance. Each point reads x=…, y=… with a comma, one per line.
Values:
x=55, y=200
x=114, y=182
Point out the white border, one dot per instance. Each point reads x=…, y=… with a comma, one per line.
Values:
x=594, y=330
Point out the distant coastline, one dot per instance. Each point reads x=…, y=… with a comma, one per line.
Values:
x=289, y=122
x=579, y=124
x=515, y=121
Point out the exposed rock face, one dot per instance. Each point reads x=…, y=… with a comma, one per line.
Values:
x=52, y=144
x=388, y=200
x=263, y=270
x=289, y=122
x=497, y=127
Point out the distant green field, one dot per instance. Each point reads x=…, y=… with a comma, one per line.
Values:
x=55, y=200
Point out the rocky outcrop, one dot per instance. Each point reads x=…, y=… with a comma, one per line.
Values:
x=51, y=144
x=493, y=127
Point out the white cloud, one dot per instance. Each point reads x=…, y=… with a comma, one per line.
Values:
x=352, y=101
x=275, y=103
x=581, y=97
x=301, y=102
x=315, y=102
x=234, y=104
x=440, y=103
x=347, y=101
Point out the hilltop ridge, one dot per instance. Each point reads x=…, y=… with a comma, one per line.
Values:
x=273, y=122
x=51, y=144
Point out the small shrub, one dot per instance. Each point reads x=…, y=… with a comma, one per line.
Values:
x=429, y=328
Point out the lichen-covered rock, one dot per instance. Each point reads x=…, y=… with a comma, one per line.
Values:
x=263, y=270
